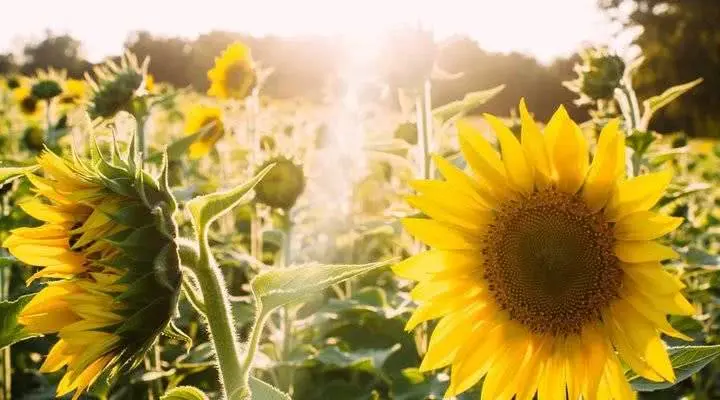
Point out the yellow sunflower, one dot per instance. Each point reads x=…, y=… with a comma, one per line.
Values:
x=209, y=120
x=30, y=106
x=115, y=270
x=233, y=75
x=74, y=92
x=543, y=268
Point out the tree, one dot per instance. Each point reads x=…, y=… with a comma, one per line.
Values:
x=59, y=52
x=680, y=41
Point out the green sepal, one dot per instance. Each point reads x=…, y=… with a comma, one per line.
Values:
x=10, y=331
x=184, y=393
x=175, y=333
x=471, y=101
x=138, y=243
x=9, y=173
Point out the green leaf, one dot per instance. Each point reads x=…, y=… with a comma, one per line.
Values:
x=264, y=391
x=206, y=209
x=281, y=286
x=173, y=332
x=184, y=393
x=686, y=360
x=368, y=360
x=177, y=149
x=10, y=331
x=676, y=193
x=655, y=103
x=8, y=173
x=468, y=103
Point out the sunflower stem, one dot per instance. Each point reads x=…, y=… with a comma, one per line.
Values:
x=140, y=120
x=48, y=121
x=220, y=322
x=286, y=373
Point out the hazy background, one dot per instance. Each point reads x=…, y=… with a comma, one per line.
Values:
x=529, y=45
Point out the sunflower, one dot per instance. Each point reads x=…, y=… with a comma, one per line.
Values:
x=73, y=92
x=114, y=86
x=233, y=75
x=209, y=120
x=30, y=106
x=107, y=241
x=543, y=268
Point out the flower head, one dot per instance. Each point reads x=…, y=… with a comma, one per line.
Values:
x=208, y=120
x=29, y=105
x=108, y=243
x=115, y=86
x=599, y=74
x=544, y=268
x=73, y=93
x=233, y=75
x=282, y=185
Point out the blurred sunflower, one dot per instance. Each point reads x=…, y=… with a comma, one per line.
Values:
x=115, y=86
x=108, y=239
x=233, y=75
x=30, y=106
x=544, y=269
x=208, y=119
x=73, y=92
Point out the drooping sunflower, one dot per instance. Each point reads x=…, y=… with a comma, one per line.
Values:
x=107, y=242
x=233, y=75
x=209, y=120
x=544, y=267
x=114, y=86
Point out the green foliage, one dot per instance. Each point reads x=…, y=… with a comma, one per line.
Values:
x=184, y=393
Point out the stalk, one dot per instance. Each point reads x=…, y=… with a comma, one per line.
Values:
x=220, y=323
x=141, y=141
x=252, y=109
x=286, y=373
x=48, y=123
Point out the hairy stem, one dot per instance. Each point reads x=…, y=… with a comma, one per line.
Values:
x=220, y=322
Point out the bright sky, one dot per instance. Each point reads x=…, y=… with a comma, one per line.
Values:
x=543, y=28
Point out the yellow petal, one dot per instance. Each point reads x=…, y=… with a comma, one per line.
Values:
x=626, y=350
x=645, y=225
x=552, y=381
x=617, y=383
x=484, y=160
x=654, y=278
x=643, y=251
x=637, y=194
x=517, y=167
x=56, y=358
x=657, y=317
x=534, y=146
x=452, y=210
x=424, y=265
x=440, y=306
x=46, y=213
x=608, y=166
x=569, y=155
x=460, y=181
x=644, y=340
x=475, y=357
x=447, y=338
x=439, y=235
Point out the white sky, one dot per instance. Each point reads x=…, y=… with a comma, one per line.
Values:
x=543, y=28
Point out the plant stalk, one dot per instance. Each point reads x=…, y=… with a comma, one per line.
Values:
x=220, y=322
x=287, y=373
x=48, y=121
x=141, y=140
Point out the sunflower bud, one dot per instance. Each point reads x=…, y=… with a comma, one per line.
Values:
x=282, y=185
x=108, y=241
x=599, y=74
x=115, y=87
x=46, y=89
x=34, y=138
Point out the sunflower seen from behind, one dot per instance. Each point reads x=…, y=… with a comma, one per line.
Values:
x=107, y=246
x=544, y=267
x=233, y=76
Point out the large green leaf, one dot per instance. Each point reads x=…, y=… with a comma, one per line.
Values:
x=184, y=393
x=686, y=360
x=264, y=391
x=177, y=149
x=281, y=286
x=655, y=103
x=468, y=103
x=206, y=209
x=10, y=331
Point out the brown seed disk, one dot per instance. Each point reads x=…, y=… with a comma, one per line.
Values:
x=549, y=262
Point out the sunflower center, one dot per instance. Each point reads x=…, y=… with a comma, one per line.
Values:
x=236, y=77
x=550, y=263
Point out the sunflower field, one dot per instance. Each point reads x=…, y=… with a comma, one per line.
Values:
x=160, y=243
